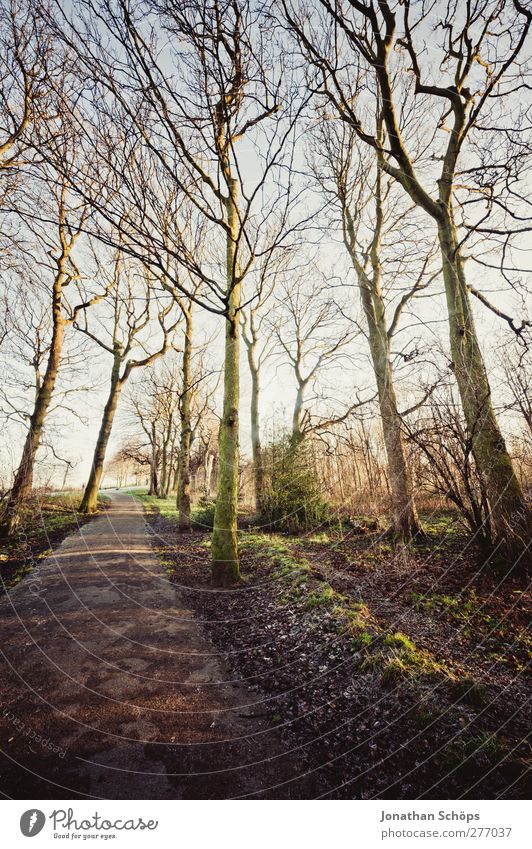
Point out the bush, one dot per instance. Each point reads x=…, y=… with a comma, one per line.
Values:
x=293, y=502
x=203, y=514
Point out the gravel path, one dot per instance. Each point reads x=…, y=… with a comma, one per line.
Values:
x=110, y=688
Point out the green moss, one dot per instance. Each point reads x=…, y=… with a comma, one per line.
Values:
x=459, y=608
x=442, y=524
x=323, y=597
x=481, y=747
x=400, y=641
x=362, y=640
x=401, y=659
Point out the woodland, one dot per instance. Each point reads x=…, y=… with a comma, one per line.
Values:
x=265, y=270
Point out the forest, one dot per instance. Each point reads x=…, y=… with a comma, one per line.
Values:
x=265, y=334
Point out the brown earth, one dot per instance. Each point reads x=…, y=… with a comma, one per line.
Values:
x=456, y=733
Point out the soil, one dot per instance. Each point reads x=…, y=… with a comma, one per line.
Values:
x=361, y=738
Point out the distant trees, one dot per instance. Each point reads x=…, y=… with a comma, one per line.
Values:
x=135, y=307
x=155, y=405
x=312, y=336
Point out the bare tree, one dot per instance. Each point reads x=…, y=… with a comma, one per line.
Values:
x=446, y=464
x=143, y=320
x=257, y=340
x=65, y=273
x=24, y=54
x=312, y=335
x=24, y=354
x=156, y=404
x=178, y=88
x=376, y=238
x=518, y=373
x=360, y=51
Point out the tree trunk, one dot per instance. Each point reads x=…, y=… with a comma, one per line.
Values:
x=405, y=520
x=154, y=461
x=89, y=502
x=23, y=482
x=209, y=465
x=154, y=480
x=511, y=519
x=166, y=469
x=175, y=474
x=297, y=433
x=256, y=447
x=225, y=565
x=183, y=502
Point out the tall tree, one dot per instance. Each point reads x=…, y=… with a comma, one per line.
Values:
x=60, y=243
x=360, y=48
x=258, y=343
x=377, y=238
x=178, y=88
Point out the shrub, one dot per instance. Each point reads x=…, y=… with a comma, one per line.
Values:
x=293, y=502
x=203, y=515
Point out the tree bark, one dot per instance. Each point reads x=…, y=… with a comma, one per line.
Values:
x=509, y=514
x=209, y=465
x=166, y=468
x=405, y=520
x=256, y=447
x=297, y=433
x=89, y=502
x=183, y=501
x=225, y=565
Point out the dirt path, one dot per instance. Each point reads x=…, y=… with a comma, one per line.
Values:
x=110, y=688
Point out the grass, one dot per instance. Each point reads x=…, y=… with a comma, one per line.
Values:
x=445, y=697
x=393, y=654
x=46, y=520
x=202, y=514
x=165, y=506
x=460, y=607
x=468, y=610
x=442, y=523
x=403, y=659
x=484, y=746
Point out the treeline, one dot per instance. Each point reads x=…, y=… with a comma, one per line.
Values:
x=257, y=164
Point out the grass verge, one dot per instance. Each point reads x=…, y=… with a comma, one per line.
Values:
x=47, y=519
